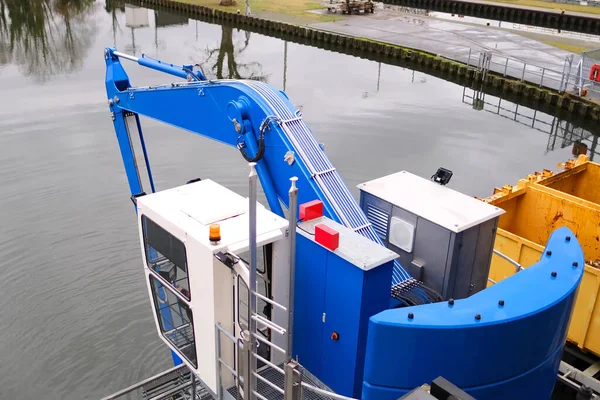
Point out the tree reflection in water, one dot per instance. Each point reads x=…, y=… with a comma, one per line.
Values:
x=225, y=65
x=45, y=37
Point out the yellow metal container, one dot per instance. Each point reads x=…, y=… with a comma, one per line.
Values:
x=536, y=207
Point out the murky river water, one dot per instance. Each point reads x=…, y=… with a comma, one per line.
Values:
x=76, y=320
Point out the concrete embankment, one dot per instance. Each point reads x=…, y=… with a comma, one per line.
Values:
x=556, y=19
x=513, y=90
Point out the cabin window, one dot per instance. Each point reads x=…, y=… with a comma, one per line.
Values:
x=175, y=320
x=166, y=256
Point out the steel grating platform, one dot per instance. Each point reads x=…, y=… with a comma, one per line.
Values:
x=276, y=377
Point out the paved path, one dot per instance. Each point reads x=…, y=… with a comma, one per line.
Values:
x=459, y=41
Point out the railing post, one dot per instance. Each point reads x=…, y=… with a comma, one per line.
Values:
x=217, y=358
x=247, y=359
x=469, y=59
x=506, y=66
x=293, y=381
x=193, y=385
x=542, y=80
x=523, y=76
x=567, y=81
x=292, y=231
x=251, y=382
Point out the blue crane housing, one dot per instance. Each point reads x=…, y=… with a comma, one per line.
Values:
x=368, y=299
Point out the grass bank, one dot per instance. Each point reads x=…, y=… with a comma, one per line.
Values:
x=573, y=48
x=299, y=9
x=551, y=5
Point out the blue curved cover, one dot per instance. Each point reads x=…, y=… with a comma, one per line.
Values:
x=512, y=349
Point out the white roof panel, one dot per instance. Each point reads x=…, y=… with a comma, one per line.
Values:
x=193, y=207
x=354, y=248
x=439, y=204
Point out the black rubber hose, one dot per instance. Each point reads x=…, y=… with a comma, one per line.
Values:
x=261, y=141
x=259, y=154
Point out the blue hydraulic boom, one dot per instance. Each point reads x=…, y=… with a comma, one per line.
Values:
x=253, y=117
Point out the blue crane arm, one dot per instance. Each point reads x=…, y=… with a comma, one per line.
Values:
x=250, y=115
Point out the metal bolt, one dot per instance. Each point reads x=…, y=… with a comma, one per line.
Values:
x=110, y=102
x=236, y=125
x=451, y=302
x=568, y=238
x=477, y=317
x=410, y=315
x=575, y=263
x=548, y=253
x=501, y=303
x=554, y=274
x=116, y=99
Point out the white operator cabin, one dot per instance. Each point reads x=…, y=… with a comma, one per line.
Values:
x=195, y=283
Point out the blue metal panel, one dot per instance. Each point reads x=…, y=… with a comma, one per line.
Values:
x=352, y=297
x=375, y=298
x=537, y=383
x=309, y=301
x=343, y=299
x=373, y=392
x=507, y=341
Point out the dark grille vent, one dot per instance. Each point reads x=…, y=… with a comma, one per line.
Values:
x=379, y=219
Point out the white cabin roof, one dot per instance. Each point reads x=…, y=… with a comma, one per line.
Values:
x=439, y=204
x=192, y=208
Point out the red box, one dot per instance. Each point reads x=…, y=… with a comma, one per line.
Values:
x=327, y=237
x=311, y=210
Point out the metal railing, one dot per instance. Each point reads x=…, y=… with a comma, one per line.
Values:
x=176, y=382
x=571, y=79
x=510, y=260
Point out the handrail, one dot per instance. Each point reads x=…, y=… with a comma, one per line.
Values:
x=269, y=363
x=268, y=300
x=510, y=260
x=260, y=396
x=230, y=368
x=229, y=336
x=274, y=346
x=140, y=384
x=268, y=324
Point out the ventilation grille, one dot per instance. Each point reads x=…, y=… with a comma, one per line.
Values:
x=379, y=219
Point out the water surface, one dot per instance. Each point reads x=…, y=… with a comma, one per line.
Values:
x=76, y=316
